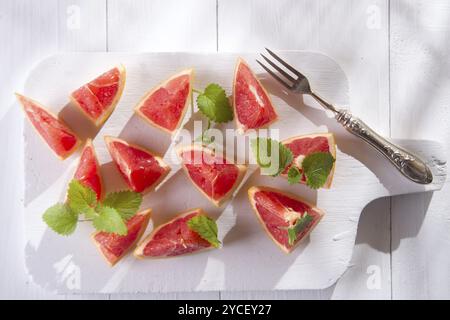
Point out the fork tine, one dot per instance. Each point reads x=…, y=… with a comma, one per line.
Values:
x=274, y=75
x=284, y=63
x=281, y=71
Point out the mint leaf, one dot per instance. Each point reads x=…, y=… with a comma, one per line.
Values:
x=206, y=228
x=271, y=155
x=298, y=227
x=109, y=220
x=214, y=104
x=81, y=199
x=61, y=219
x=294, y=175
x=316, y=167
x=126, y=203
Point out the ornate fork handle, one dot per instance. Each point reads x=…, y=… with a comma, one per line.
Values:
x=408, y=164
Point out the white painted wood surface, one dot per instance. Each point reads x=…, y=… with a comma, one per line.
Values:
x=361, y=176
x=420, y=99
x=353, y=32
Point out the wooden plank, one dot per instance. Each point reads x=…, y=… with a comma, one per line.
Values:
x=33, y=30
x=368, y=275
x=82, y=25
x=420, y=67
x=278, y=295
x=212, y=295
x=361, y=48
x=162, y=25
x=29, y=29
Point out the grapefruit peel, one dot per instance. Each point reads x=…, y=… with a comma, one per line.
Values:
x=88, y=169
x=124, y=166
x=84, y=95
x=291, y=218
x=316, y=163
x=206, y=228
x=114, y=247
x=173, y=238
x=196, y=147
x=38, y=115
x=267, y=114
x=140, y=107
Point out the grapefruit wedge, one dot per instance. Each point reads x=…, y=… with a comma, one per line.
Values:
x=302, y=146
x=113, y=247
x=173, y=238
x=98, y=98
x=88, y=170
x=141, y=169
x=251, y=102
x=165, y=105
x=58, y=136
x=277, y=211
x=215, y=176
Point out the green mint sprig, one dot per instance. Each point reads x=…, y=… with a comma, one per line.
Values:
x=206, y=228
x=317, y=167
x=271, y=156
x=109, y=215
x=214, y=104
x=61, y=219
x=298, y=227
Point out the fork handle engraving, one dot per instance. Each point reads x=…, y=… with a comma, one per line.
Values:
x=408, y=164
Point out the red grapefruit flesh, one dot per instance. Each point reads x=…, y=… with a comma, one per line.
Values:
x=98, y=98
x=165, y=105
x=141, y=169
x=113, y=247
x=277, y=211
x=252, y=105
x=302, y=146
x=215, y=176
x=88, y=170
x=173, y=238
x=58, y=136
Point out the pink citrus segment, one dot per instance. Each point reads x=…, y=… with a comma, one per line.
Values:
x=165, y=105
x=88, y=170
x=113, y=247
x=141, y=169
x=58, y=136
x=302, y=146
x=278, y=211
x=252, y=105
x=98, y=98
x=173, y=239
x=215, y=176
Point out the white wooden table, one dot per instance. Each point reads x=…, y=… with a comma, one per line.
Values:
x=397, y=59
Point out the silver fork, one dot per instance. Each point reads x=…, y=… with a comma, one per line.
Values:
x=407, y=163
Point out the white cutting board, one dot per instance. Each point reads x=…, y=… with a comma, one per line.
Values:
x=248, y=259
